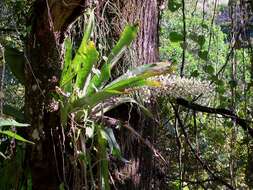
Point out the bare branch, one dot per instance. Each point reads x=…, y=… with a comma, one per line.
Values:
x=226, y=113
x=204, y=165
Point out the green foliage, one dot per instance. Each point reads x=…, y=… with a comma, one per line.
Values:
x=11, y=134
x=11, y=170
x=16, y=62
x=12, y=123
x=174, y=5
x=127, y=36
x=104, y=163
x=13, y=112
x=203, y=55
x=217, y=140
x=176, y=37
x=85, y=88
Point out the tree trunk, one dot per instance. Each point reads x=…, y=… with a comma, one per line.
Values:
x=146, y=13
x=44, y=54
x=141, y=173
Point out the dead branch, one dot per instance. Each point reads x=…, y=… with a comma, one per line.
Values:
x=224, y=112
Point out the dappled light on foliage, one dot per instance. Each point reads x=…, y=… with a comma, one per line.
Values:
x=126, y=94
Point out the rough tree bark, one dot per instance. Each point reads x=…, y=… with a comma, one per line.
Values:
x=44, y=54
x=142, y=172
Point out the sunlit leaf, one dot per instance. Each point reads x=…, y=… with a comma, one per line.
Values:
x=11, y=122
x=176, y=37
x=136, y=77
x=126, y=37
x=88, y=58
x=67, y=73
x=84, y=58
x=98, y=79
x=15, y=136
x=89, y=28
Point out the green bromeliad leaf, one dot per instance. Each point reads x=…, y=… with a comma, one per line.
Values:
x=12, y=122
x=67, y=73
x=16, y=62
x=88, y=29
x=102, y=156
x=88, y=102
x=83, y=61
x=119, y=101
x=98, y=79
x=136, y=78
x=86, y=61
x=127, y=36
x=15, y=136
x=112, y=142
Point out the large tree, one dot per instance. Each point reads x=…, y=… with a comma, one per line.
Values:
x=141, y=173
x=44, y=52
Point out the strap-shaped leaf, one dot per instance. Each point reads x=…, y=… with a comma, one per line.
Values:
x=12, y=122
x=88, y=29
x=88, y=57
x=15, y=136
x=80, y=65
x=102, y=156
x=82, y=48
x=131, y=73
x=67, y=73
x=132, y=84
x=122, y=100
x=98, y=79
x=112, y=142
x=137, y=76
x=127, y=36
x=88, y=102
x=122, y=86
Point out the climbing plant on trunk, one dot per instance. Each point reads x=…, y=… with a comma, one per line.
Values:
x=44, y=57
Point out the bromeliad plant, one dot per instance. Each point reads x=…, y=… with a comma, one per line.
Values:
x=84, y=89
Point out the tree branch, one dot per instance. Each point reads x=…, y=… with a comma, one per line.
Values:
x=204, y=165
x=226, y=113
